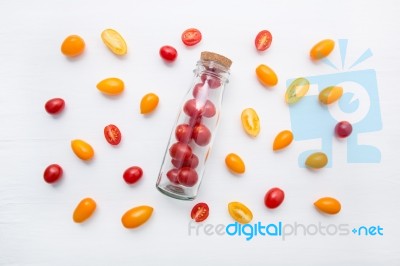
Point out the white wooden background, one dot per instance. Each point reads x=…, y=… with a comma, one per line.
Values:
x=36, y=227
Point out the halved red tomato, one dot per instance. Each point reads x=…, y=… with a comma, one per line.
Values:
x=263, y=40
x=200, y=212
x=112, y=134
x=191, y=36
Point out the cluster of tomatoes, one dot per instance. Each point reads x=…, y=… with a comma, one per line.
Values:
x=74, y=46
x=181, y=153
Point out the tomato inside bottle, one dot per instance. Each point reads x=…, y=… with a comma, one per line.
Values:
x=193, y=133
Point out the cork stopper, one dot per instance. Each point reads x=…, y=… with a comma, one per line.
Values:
x=222, y=60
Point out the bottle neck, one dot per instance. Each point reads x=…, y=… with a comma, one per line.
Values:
x=213, y=69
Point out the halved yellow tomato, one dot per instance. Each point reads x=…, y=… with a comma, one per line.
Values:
x=239, y=212
x=250, y=122
x=114, y=41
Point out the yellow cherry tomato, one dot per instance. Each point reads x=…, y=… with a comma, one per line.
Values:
x=72, y=46
x=82, y=149
x=137, y=216
x=111, y=86
x=148, y=103
x=282, y=140
x=317, y=160
x=114, y=41
x=250, y=122
x=266, y=75
x=328, y=205
x=239, y=212
x=322, y=49
x=235, y=163
x=330, y=94
x=84, y=210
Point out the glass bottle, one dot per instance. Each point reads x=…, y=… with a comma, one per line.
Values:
x=194, y=130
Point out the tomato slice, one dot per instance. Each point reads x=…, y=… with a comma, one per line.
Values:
x=191, y=37
x=240, y=213
x=263, y=40
x=112, y=134
x=200, y=212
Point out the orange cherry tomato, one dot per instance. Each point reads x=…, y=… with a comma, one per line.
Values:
x=148, y=103
x=235, y=163
x=328, y=205
x=322, y=49
x=137, y=216
x=266, y=76
x=111, y=86
x=282, y=140
x=73, y=46
x=263, y=40
x=84, y=210
x=240, y=213
x=82, y=149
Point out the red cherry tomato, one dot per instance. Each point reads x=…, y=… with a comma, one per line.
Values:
x=183, y=133
x=200, y=212
x=209, y=109
x=213, y=82
x=112, y=134
x=52, y=173
x=263, y=40
x=200, y=91
x=133, y=174
x=168, y=53
x=343, y=129
x=187, y=177
x=173, y=176
x=194, y=108
x=191, y=162
x=195, y=121
x=180, y=151
x=274, y=197
x=54, y=106
x=201, y=135
x=191, y=37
